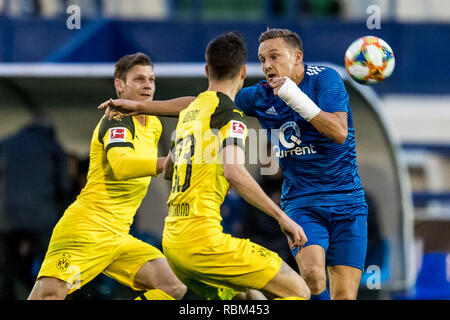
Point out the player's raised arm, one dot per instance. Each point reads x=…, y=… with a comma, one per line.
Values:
x=118, y=108
x=332, y=125
x=242, y=182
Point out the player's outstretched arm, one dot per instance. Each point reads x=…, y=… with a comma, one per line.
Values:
x=126, y=165
x=168, y=167
x=332, y=125
x=233, y=159
x=118, y=108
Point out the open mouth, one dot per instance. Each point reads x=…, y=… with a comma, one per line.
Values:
x=271, y=76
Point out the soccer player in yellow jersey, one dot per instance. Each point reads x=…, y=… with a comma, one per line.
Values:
x=93, y=236
x=207, y=158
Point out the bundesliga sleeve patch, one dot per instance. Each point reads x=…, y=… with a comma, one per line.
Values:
x=237, y=129
x=117, y=135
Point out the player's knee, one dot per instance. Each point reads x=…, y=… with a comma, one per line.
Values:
x=315, y=277
x=45, y=290
x=180, y=291
x=176, y=290
x=299, y=285
x=343, y=294
x=52, y=295
x=304, y=291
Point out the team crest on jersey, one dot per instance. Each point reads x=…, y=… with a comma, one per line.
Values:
x=261, y=251
x=290, y=139
x=63, y=262
x=117, y=135
x=237, y=129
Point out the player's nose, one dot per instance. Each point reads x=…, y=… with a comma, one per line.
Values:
x=147, y=84
x=266, y=65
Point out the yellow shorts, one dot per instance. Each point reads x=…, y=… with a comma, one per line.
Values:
x=216, y=271
x=77, y=254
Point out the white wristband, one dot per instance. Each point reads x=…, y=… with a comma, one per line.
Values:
x=297, y=100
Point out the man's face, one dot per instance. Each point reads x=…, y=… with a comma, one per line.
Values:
x=278, y=59
x=139, y=84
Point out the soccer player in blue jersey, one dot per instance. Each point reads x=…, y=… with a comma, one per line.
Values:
x=306, y=112
x=308, y=107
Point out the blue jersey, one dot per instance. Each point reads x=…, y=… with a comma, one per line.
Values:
x=316, y=170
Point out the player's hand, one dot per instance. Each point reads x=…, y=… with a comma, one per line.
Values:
x=277, y=83
x=295, y=233
x=119, y=108
x=286, y=89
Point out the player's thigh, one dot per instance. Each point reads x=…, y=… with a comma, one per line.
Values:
x=344, y=282
x=156, y=273
x=286, y=283
x=311, y=263
x=347, y=251
x=348, y=236
x=202, y=288
x=230, y=262
x=76, y=257
x=311, y=258
x=47, y=288
x=131, y=255
x=314, y=222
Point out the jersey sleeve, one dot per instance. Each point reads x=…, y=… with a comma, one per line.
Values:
x=117, y=138
x=113, y=133
x=126, y=164
x=332, y=95
x=245, y=100
x=231, y=125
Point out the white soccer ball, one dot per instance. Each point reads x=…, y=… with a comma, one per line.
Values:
x=369, y=60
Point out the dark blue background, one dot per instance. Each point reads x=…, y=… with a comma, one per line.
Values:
x=422, y=51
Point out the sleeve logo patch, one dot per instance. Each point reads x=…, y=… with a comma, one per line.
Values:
x=117, y=135
x=237, y=129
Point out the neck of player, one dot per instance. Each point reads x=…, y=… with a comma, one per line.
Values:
x=299, y=74
x=141, y=118
x=230, y=87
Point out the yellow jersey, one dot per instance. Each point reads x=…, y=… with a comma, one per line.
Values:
x=108, y=201
x=209, y=123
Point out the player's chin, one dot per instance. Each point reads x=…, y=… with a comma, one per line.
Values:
x=146, y=97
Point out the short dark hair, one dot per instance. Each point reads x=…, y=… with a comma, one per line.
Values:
x=289, y=36
x=225, y=55
x=127, y=62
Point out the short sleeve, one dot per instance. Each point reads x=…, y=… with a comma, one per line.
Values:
x=233, y=133
x=230, y=122
x=332, y=95
x=245, y=100
x=113, y=133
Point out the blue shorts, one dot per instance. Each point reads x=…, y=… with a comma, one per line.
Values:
x=340, y=230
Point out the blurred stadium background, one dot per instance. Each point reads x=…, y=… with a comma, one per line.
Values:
x=55, y=70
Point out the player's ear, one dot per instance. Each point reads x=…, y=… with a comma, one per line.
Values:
x=206, y=71
x=243, y=71
x=299, y=56
x=119, y=85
